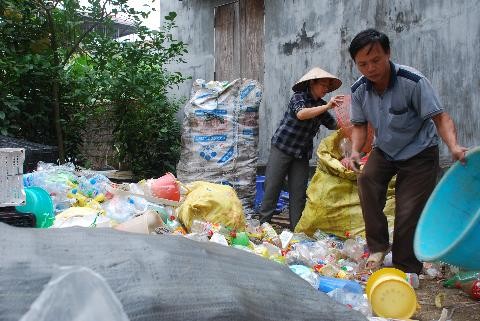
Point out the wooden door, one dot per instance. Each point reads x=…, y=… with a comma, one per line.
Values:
x=239, y=44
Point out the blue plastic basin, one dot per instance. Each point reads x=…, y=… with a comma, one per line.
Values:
x=449, y=227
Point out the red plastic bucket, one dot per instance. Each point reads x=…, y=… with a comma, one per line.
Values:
x=166, y=187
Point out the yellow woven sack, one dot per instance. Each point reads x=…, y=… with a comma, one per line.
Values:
x=333, y=205
x=214, y=203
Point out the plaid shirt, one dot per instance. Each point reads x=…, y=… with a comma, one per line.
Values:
x=295, y=137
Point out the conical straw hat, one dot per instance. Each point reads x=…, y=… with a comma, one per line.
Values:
x=317, y=73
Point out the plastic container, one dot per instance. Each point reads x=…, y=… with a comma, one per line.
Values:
x=390, y=295
x=449, y=227
x=413, y=280
x=76, y=293
x=200, y=227
x=306, y=273
x=9, y=216
x=461, y=277
x=11, y=180
x=39, y=203
x=241, y=238
x=356, y=301
x=283, y=199
x=353, y=249
x=34, y=152
x=143, y=224
x=472, y=288
x=166, y=187
x=330, y=270
x=174, y=225
x=270, y=234
x=328, y=284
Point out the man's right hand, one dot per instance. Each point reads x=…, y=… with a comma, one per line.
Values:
x=354, y=162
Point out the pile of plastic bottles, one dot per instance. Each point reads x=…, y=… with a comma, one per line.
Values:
x=330, y=264
x=69, y=188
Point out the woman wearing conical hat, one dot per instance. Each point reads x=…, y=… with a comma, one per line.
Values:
x=292, y=143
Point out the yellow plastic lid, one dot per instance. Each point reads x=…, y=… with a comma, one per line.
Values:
x=380, y=274
x=390, y=295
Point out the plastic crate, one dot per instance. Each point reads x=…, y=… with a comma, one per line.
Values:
x=283, y=199
x=34, y=152
x=9, y=216
x=11, y=176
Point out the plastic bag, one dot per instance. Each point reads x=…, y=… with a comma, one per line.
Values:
x=212, y=203
x=333, y=204
x=220, y=136
x=76, y=293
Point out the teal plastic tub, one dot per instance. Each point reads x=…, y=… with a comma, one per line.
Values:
x=39, y=203
x=449, y=227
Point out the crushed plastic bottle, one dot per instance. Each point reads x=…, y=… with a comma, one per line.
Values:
x=196, y=237
x=320, y=235
x=472, y=288
x=219, y=239
x=119, y=209
x=285, y=238
x=345, y=146
x=388, y=260
x=353, y=249
x=328, y=284
x=270, y=234
x=330, y=270
x=356, y=301
x=240, y=238
x=175, y=226
x=413, y=280
x=164, y=211
x=308, y=253
x=307, y=274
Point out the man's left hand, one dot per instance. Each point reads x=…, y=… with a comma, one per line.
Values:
x=458, y=153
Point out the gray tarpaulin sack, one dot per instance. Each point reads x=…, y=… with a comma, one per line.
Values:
x=220, y=136
x=158, y=277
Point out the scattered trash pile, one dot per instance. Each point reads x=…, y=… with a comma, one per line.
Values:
x=60, y=196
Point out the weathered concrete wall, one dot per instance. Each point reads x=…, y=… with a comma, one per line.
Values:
x=440, y=38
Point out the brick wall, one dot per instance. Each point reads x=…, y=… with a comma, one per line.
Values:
x=98, y=142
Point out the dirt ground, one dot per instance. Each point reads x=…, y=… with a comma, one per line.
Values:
x=459, y=305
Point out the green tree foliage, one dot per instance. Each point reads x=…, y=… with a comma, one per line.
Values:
x=60, y=68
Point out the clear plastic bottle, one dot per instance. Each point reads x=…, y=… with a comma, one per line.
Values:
x=330, y=270
x=175, y=226
x=352, y=249
x=320, y=235
x=413, y=280
x=356, y=301
x=200, y=227
x=345, y=147
x=271, y=235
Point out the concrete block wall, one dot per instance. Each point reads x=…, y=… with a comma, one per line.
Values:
x=440, y=38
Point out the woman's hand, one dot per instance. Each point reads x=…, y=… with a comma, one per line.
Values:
x=335, y=101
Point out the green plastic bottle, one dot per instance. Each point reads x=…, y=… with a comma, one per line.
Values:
x=462, y=277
